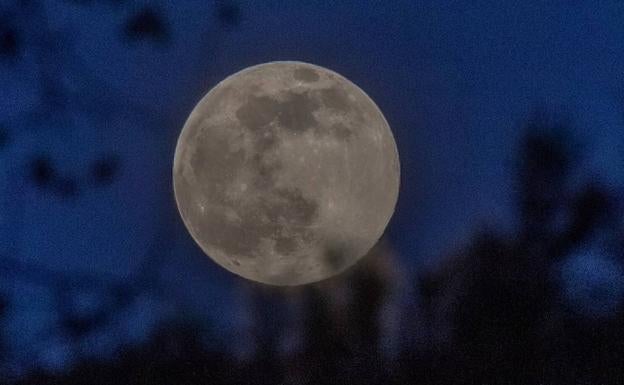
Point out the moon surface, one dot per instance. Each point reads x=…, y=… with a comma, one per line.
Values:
x=286, y=173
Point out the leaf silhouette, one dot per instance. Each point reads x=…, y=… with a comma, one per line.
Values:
x=105, y=169
x=146, y=24
x=9, y=42
x=229, y=13
x=42, y=171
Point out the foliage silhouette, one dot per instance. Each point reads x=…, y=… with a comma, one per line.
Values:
x=42, y=171
x=508, y=322
x=228, y=13
x=147, y=23
x=9, y=42
x=5, y=137
x=105, y=169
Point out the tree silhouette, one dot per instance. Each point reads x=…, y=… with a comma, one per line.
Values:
x=545, y=160
x=67, y=87
x=325, y=346
x=268, y=314
x=175, y=354
x=342, y=323
x=508, y=321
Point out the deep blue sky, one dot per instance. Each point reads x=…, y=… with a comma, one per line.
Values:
x=455, y=80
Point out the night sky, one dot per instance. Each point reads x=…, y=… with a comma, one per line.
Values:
x=95, y=93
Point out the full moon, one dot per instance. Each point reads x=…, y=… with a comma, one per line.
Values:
x=286, y=173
